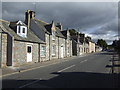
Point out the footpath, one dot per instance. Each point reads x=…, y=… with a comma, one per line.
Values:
x=116, y=63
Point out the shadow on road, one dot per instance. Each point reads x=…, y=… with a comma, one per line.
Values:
x=70, y=80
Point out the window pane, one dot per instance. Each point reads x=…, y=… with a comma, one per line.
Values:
x=19, y=30
x=23, y=30
x=29, y=49
x=53, y=49
x=43, y=51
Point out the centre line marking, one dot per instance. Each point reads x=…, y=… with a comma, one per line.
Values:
x=66, y=68
x=83, y=61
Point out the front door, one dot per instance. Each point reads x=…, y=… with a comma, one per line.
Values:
x=62, y=51
x=29, y=53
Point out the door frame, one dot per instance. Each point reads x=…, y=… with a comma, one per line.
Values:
x=29, y=45
x=62, y=51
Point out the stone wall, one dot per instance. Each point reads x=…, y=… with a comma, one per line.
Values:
x=54, y=43
x=4, y=50
x=68, y=48
x=47, y=46
x=20, y=53
x=91, y=47
x=61, y=43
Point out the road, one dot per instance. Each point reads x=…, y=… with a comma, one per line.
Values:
x=89, y=71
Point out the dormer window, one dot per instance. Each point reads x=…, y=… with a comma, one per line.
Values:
x=22, y=31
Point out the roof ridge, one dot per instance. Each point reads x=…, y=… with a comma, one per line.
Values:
x=4, y=21
x=41, y=21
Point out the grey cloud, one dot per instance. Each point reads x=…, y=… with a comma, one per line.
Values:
x=80, y=15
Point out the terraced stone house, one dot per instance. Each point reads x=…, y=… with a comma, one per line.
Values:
x=19, y=45
x=79, y=44
x=68, y=43
x=50, y=33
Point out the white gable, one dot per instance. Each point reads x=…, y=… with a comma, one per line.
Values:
x=20, y=22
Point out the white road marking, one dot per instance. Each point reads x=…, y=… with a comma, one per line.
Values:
x=27, y=70
x=66, y=68
x=31, y=69
x=28, y=84
x=83, y=61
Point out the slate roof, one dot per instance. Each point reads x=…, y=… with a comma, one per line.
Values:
x=58, y=33
x=64, y=33
x=31, y=37
x=41, y=25
x=47, y=27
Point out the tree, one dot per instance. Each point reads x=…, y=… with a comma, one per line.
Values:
x=102, y=43
x=73, y=32
x=116, y=45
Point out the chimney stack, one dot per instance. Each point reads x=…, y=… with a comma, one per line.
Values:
x=28, y=16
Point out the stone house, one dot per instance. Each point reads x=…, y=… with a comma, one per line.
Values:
x=49, y=33
x=85, y=43
x=91, y=44
x=19, y=45
x=68, y=43
x=91, y=47
x=80, y=44
x=98, y=48
x=77, y=45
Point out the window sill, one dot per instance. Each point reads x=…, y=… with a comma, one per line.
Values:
x=42, y=56
x=53, y=55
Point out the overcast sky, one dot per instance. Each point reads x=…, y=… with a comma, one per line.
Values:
x=96, y=19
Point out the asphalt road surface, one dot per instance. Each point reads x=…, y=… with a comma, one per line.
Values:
x=90, y=71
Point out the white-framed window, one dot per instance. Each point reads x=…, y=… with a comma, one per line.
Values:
x=22, y=31
x=43, y=51
x=53, y=35
x=19, y=31
x=53, y=50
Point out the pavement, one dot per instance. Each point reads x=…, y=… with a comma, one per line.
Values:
x=116, y=63
x=30, y=66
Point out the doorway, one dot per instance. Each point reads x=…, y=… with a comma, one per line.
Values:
x=62, y=51
x=29, y=53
